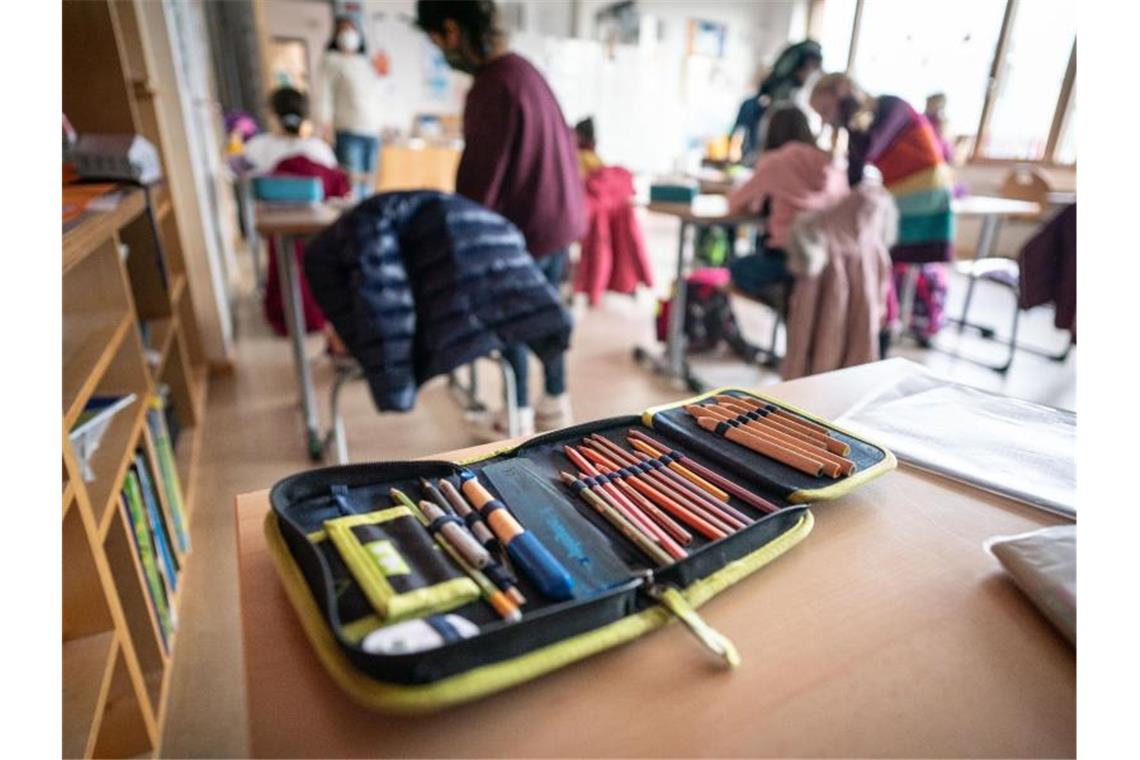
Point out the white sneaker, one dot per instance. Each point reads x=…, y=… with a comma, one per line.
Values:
x=553, y=412
x=491, y=427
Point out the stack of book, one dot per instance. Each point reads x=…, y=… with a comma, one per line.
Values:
x=152, y=504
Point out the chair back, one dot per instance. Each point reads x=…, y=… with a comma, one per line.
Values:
x=1026, y=183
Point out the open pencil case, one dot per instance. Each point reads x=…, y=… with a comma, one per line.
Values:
x=619, y=594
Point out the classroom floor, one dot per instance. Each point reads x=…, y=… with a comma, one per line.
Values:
x=254, y=436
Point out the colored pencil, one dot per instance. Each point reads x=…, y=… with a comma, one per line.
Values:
x=500, y=601
x=793, y=419
x=627, y=507
x=473, y=519
x=658, y=449
x=722, y=510
x=712, y=510
x=451, y=529
x=827, y=449
x=822, y=440
x=698, y=520
x=644, y=448
x=833, y=466
x=805, y=464
x=494, y=571
x=623, y=525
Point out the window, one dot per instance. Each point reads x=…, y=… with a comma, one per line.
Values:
x=1041, y=38
x=907, y=50
x=914, y=49
x=835, y=33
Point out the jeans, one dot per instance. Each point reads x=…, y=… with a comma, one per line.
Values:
x=755, y=272
x=553, y=267
x=357, y=153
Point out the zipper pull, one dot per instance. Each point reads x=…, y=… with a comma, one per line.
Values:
x=712, y=639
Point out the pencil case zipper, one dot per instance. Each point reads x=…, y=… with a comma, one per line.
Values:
x=670, y=598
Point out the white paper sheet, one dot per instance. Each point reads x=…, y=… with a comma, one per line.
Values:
x=1011, y=447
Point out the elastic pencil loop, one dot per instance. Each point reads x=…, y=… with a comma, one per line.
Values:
x=579, y=485
x=340, y=499
x=442, y=520
x=665, y=458
x=721, y=428
x=492, y=505
x=625, y=472
x=751, y=415
x=471, y=518
x=741, y=419
x=651, y=464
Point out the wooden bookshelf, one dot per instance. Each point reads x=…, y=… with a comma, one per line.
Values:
x=118, y=275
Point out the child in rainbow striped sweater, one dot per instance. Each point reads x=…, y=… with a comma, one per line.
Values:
x=891, y=135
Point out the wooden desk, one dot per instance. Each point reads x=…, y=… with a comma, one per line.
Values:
x=286, y=225
x=888, y=632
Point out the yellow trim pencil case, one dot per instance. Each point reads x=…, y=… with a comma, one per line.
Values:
x=619, y=526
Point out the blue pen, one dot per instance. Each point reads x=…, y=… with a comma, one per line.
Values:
x=526, y=551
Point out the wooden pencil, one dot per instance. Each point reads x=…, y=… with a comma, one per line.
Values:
x=666, y=523
x=658, y=449
x=674, y=465
x=696, y=518
x=784, y=414
x=620, y=523
x=834, y=465
x=820, y=440
x=625, y=506
x=724, y=511
x=716, y=517
x=805, y=464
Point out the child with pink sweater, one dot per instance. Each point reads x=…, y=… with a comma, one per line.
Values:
x=794, y=176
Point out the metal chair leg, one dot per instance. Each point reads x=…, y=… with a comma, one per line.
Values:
x=1012, y=337
x=510, y=397
x=337, y=438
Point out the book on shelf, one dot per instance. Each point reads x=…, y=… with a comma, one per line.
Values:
x=159, y=531
x=170, y=483
x=156, y=589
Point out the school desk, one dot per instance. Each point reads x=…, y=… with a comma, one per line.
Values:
x=889, y=631
x=287, y=225
x=673, y=364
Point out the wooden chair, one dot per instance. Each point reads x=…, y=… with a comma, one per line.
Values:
x=1027, y=183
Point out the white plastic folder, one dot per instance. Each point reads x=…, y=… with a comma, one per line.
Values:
x=1011, y=447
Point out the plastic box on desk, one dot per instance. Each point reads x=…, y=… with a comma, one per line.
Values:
x=288, y=189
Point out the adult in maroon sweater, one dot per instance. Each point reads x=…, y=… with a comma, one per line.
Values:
x=521, y=161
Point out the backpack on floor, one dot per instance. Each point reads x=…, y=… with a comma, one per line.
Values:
x=708, y=315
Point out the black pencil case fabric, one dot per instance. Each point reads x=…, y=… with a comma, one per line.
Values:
x=621, y=596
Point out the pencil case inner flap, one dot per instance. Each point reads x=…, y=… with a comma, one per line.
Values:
x=674, y=422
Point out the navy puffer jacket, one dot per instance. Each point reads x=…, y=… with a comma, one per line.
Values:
x=419, y=283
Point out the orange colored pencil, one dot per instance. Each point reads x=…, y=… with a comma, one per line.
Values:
x=658, y=449
x=802, y=462
x=837, y=465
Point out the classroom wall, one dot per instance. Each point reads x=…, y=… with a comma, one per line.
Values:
x=650, y=101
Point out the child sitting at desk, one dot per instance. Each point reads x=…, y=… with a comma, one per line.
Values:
x=291, y=111
x=295, y=152
x=793, y=175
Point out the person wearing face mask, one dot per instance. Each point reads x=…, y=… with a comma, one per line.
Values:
x=886, y=132
x=349, y=102
x=520, y=161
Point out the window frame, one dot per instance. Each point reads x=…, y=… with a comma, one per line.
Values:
x=993, y=84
